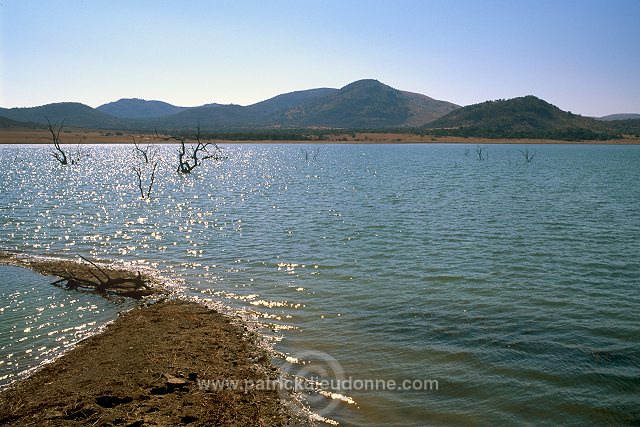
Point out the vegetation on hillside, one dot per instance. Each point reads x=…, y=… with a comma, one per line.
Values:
x=74, y=114
x=623, y=116
x=625, y=127
x=6, y=123
x=368, y=104
x=139, y=108
x=524, y=117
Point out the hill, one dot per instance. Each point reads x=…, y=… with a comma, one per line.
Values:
x=6, y=123
x=134, y=108
x=262, y=115
x=629, y=127
x=73, y=113
x=282, y=103
x=223, y=117
x=523, y=117
x=367, y=104
x=625, y=116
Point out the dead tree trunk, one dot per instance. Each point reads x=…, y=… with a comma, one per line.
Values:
x=480, y=151
x=146, y=166
x=59, y=154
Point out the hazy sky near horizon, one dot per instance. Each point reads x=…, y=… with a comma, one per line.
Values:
x=583, y=56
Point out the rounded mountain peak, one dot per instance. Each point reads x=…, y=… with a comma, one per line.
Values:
x=366, y=84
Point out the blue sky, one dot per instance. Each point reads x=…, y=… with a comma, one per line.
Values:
x=583, y=56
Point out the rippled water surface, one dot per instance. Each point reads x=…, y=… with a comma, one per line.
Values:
x=514, y=285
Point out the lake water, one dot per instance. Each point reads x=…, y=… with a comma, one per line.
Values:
x=515, y=286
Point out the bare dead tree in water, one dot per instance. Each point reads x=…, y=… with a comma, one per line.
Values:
x=193, y=150
x=140, y=174
x=310, y=156
x=145, y=167
x=79, y=154
x=54, y=129
x=480, y=151
x=527, y=157
x=144, y=152
x=59, y=154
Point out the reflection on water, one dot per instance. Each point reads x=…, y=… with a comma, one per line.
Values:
x=512, y=284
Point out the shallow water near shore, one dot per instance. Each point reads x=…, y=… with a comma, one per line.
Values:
x=514, y=285
x=40, y=321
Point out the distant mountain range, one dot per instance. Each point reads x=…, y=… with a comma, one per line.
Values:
x=364, y=104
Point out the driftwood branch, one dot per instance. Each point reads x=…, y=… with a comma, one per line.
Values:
x=133, y=286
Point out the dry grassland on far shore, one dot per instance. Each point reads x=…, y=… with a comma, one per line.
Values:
x=84, y=136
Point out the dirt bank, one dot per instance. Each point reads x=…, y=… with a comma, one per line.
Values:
x=143, y=370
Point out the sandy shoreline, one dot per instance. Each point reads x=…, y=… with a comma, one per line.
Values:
x=82, y=136
x=143, y=370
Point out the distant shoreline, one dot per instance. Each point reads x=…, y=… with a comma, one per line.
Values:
x=81, y=136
